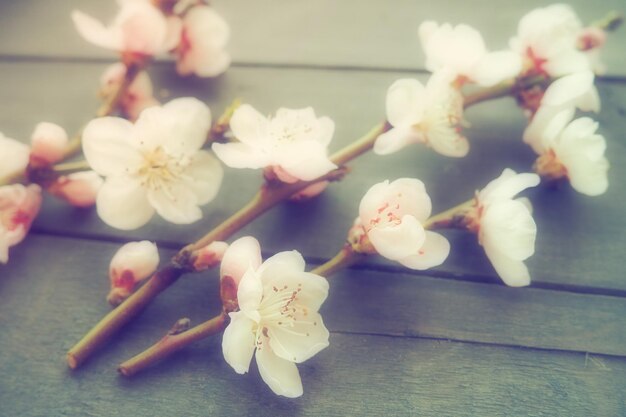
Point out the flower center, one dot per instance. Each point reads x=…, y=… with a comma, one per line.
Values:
x=387, y=214
x=160, y=170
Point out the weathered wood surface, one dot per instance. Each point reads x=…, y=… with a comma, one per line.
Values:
x=443, y=342
x=379, y=360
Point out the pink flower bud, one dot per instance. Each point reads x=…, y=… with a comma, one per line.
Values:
x=591, y=37
x=132, y=263
x=48, y=144
x=19, y=206
x=80, y=189
x=242, y=255
x=209, y=256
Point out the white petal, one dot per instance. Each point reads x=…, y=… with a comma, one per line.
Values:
x=507, y=186
x=205, y=176
x=403, y=196
x=283, y=261
x=405, y=102
x=95, y=32
x=312, y=288
x=249, y=126
x=122, y=203
x=280, y=375
x=446, y=140
x=568, y=88
x=509, y=227
x=250, y=292
x=433, y=252
x=243, y=254
x=301, y=341
x=241, y=155
x=305, y=160
x=513, y=272
x=398, y=241
x=496, y=67
x=396, y=138
x=193, y=121
x=327, y=129
x=238, y=342
x=567, y=61
x=13, y=157
x=176, y=203
x=555, y=125
x=107, y=147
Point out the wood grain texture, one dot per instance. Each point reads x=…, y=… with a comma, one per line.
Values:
x=568, y=254
x=45, y=305
x=360, y=301
x=299, y=32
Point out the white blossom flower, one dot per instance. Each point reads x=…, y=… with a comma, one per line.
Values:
x=547, y=39
x=568, y=92
x=278, y=317
x=19, y=206
x=505, y=226
x=13, y=157
x=139, y=29
x=572, y=149
x=430, y=115
x=154, y=165
x=461, y=50
x=392, y=214
x=131, y=264
x=48, y=143
x=203, y=38
x=293, y=144
x=80, y=189
x=137, y=97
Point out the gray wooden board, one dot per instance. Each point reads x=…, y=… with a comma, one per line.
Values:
x=300, y=32
x=67, y=278
x=53, y=290
x=579, y=243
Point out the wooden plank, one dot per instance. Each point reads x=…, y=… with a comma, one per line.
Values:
x=46, y=305
x=272, y=32
x=577, y=247
x=360, y=301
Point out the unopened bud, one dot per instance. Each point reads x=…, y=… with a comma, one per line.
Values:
x=80, y=189
x=208, y=256
x=48, y=144
x=132, y=263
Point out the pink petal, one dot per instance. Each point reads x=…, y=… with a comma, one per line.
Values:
x=48, y=142
x=243, y=254
x=95, y=32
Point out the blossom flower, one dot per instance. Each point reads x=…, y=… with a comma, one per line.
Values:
x=139, y=30
x=391, y=215
x=48, y=144
x=572, y=149
x=19, y=206
x=505, y=227
x=461, y=50
x=203, y=38
x=568, y=92
x=278, y=317
x=13, y=157
x=292, y=144
x=137, y=97
x=154, y=165
x=131, y=264
x=547, y=39
x=80, y=189
x=431, y=115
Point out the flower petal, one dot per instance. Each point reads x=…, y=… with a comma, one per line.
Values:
x=291, y=261
x=567, y=89
x=205, y=175
x=241, y=155
x=13, y=157
x=238, y=342
x=509, y=227
x=507, y=186
x=249, y=126
x=396, y=138
x=405, y=102
x=398, y=241
x=95, y=32
x=513, y=272
x=122, y=203
x=243, y=254
x=433, y=252
x=300, y=341
x=107, y=147
x=305, y=160
x=280, y=375
x=495, y=67
x=250, y=292
x=176, y=203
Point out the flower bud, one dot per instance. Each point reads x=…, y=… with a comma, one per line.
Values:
x=48, y=144
x=132, y=263
x=80, y=189
x=19, y=206
x=208, y=256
